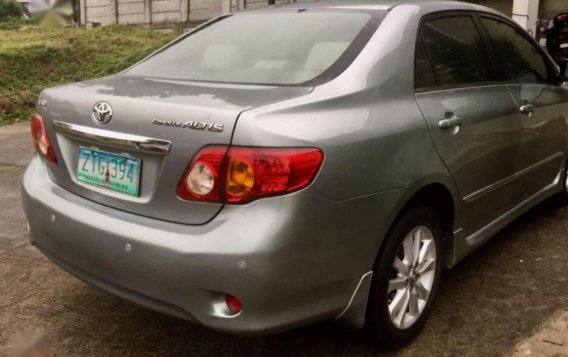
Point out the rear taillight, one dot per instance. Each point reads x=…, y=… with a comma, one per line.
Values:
x=41, y=141
x=202, y=179
x=243, y=174
x=261, y=172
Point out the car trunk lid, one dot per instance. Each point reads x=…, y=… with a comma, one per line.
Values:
x=161, y=123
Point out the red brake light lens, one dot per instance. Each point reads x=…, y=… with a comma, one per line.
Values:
x=259, y=172
x=41, y=140
x=243, y=174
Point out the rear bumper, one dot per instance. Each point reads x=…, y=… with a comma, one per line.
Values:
x=291, y=260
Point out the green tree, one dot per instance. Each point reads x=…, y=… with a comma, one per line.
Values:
x=9, y=9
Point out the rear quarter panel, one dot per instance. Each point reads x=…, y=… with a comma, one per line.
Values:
x=369, y=126
x=366, y=121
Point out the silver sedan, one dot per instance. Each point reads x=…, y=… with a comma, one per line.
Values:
x=299, y=163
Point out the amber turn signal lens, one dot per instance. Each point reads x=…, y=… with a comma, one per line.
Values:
x=240, y=178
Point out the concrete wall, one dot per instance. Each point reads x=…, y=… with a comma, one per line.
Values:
x=553, y=7
x=164, y=11
x=160, y=11
x=527, y=12
x=131, y=11
x=101, y=11
x=204, y=9
x=546, y=8
x=505, y=6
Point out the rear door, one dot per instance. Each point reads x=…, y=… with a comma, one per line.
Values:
x=470, y=114
x=541, y=102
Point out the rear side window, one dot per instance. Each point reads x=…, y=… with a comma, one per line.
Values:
x=423, y=72
x=457, y=50
x=519, y=58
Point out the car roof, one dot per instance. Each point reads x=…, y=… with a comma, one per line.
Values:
x=385, y=5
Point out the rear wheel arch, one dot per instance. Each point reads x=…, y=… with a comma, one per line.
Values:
x=433, y=200
x=434, y=195
x=440, y=199
x=394, y=314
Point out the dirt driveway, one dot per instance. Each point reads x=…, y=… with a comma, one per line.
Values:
x=492, y=300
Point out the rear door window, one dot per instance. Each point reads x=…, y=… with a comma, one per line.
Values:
x=424, y=76
x=457, y=50
x=520, y=59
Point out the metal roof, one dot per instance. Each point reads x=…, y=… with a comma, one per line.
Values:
x=368, y=4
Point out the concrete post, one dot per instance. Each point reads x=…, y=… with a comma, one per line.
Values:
x=184, y=10
x=226, y=6
x=525, y=13
x=148, y=11
x=83, y=9
x=114, y=8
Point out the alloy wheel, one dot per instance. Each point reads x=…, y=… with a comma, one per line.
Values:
x=412, y=277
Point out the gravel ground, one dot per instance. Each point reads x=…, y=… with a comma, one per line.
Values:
x=488, y=304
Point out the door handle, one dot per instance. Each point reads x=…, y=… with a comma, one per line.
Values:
x=527, y=109
x=450, y=123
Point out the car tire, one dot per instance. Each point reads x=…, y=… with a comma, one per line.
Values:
x=403, y=291
x=564, y=177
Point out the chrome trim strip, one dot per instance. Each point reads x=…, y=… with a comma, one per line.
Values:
x=487, y=189
x=464, y=246
x=480, y=236
x=112, y=138
x=534, y=166
x=507, y=180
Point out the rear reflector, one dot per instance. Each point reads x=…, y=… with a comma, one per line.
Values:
x=41, y=140
x=243, y=174
x=233, y=304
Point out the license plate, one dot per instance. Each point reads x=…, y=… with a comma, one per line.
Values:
x=564, y=45
x=119, y=173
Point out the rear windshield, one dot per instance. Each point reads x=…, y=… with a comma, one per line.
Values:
x=277, y=47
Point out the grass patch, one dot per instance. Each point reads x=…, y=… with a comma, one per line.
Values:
x=14, y=23
x=32, y=59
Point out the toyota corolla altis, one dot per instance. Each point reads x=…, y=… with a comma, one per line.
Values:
x=299, y=163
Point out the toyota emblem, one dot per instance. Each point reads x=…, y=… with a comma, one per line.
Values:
x=102, y=113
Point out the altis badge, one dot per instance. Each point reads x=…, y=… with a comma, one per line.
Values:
x=196, y=125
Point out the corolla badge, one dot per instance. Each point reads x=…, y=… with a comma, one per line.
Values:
x=196, y=125
x=102, y=113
